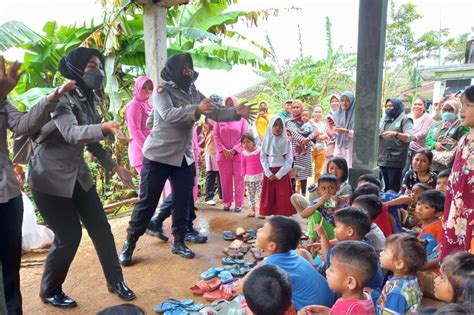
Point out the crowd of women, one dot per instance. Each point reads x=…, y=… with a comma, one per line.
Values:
x=268, y=162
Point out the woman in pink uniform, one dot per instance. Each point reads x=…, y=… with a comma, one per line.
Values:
x=227, y=136
x=136, y=113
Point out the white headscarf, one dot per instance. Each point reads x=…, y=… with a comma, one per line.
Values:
x=276, y=145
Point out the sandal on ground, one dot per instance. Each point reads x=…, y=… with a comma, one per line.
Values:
x=257, y=253
x=219, y=304
x=204, y=286
x=249, y=235
x=226, y=291
x=232, y=261
x=226, y=276
x=239, y=231
x=170, y=304
x=251, y=214
x=261, y=216
x=239, y=271
x=228, y=235
x=211, y=273
x=234, y=253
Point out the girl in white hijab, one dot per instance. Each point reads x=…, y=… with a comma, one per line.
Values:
x=277, y=158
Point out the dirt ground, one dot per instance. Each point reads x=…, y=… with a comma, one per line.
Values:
x=156, y=274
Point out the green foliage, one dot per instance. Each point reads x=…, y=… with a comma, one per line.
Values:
x=404, y=50
x=306, y=79
x=458, y=49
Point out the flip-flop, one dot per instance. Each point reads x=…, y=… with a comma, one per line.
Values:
x=239, y=231
x=250, y=264
x=203, y=286
x=226, y=291
x=228, y=235
x=239, y=271
x=170, y=304
x=234, y=253
x=219, y=304
x=176, y=311
x=251, y=214
x=251, y=234
x=226, y=276
x=194, y=307
x=208, y=310
x=257, y=253
x=232, y=261
x=211, y=273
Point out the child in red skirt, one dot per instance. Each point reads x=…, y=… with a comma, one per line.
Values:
x=276, y=158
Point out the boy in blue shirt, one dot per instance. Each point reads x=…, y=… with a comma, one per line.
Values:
x=279, y=238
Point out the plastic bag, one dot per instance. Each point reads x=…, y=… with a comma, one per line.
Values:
x=33, y=235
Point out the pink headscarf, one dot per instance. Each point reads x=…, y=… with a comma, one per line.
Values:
x=136, y=92
x=234, y=101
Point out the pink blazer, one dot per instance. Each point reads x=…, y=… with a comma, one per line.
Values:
x=227, y=136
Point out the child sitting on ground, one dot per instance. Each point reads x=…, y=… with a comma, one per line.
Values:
x=350, y=224
x=323, y=206
x=352, y=267
x=429, y=210
x=373, y=206
x=409, y=200
x=267, y=291
x=404, y=255
x=384, y=219
x=456, y=281
x=252, y=171
x=395, y=217
x=443, y=179
x=279, y=238
x=306, y=130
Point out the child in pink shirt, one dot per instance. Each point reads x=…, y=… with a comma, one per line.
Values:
x=353, y=265
x=252, y=171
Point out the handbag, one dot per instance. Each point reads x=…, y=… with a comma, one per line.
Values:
x=445, y=157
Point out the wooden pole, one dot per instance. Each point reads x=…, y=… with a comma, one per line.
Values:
x=154, y=29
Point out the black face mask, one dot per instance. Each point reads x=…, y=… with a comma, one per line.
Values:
x=94, y=79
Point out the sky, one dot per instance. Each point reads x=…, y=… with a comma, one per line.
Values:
x=457, y=15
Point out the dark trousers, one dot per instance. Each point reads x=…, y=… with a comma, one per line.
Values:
x=64, y=216
x=11, y=219
x=304, y=183
x=410, y=155
x=153, y=178
x=392, y=177
x=166, y=209
x=213, y=180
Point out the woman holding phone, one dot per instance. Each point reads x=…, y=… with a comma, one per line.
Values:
x=334, y=104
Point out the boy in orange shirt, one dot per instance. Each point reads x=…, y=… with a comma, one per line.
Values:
x=429, y=210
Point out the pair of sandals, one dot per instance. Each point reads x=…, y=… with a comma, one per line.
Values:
x=226, y=291
x=236, y=250
x=178, y=307
x=217, y=272
x=246, y=235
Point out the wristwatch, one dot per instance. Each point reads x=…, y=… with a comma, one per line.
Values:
x=396, y=135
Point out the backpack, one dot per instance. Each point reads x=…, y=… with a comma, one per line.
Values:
x=24, y=146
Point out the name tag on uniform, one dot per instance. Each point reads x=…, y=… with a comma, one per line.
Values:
x=452, y=131
x=398, y=124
